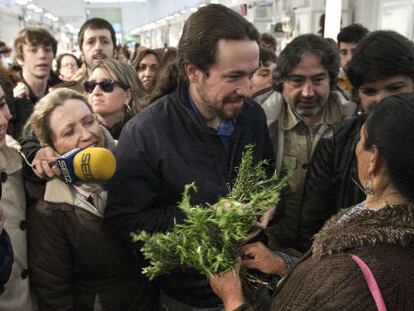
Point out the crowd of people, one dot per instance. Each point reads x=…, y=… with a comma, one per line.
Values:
x=335, y=118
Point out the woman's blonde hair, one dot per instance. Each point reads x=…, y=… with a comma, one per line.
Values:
x=126, y=75
x=39, y=122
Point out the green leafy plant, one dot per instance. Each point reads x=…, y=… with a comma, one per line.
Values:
x=210, y=237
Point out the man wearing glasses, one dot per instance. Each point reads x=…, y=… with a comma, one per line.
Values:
x=307, y=105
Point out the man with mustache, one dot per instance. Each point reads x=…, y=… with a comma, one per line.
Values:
x=35, y=50
x=195, y=132
x=306, y=105
x=97, y=42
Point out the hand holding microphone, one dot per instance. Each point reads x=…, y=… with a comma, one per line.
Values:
x=87, y=164
x=43, y=164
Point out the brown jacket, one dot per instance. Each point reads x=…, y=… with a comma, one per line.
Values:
x=327, y=278
x=73, y=258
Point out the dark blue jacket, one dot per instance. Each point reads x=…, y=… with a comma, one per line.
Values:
x=164, y=148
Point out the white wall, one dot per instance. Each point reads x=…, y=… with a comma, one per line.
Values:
x=10, y=24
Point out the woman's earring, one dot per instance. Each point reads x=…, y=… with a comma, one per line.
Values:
x=128, y=107
x=369, y=187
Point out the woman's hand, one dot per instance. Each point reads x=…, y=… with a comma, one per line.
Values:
x=228, y=287
x=263, y=222
x=43, y=163
x=266, y=217
x=258, y=256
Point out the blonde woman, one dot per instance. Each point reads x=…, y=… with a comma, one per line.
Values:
x=114, y=94
x=74, y=262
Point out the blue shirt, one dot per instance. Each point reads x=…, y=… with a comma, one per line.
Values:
x=225, y=128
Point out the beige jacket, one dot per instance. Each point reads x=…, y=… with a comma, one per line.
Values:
x=17, y=293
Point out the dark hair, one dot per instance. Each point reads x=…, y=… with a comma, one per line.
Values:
x=266, y=56
x=381, y=55
x=8, y=80
x=291, y=56
x=142, y=55
x=199, y=40
x=59, y=61
x=390, y=128
x=268, y=39
x=96, y=23
x=202, y=31
x=123, y=49
x=353, y=33
x=33, y=36
x=170, y=54
x=4, y=48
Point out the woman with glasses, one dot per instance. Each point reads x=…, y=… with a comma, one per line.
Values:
x=74, y=262
x=67, y=65
x=114, y=94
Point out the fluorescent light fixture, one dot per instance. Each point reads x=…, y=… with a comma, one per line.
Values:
x=51, y=17
x=22, y=2
x=115, y=1
x=31, y=6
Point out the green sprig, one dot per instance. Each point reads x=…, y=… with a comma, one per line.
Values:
x=210, y=237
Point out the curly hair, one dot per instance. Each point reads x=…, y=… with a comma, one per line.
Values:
x=292, y=54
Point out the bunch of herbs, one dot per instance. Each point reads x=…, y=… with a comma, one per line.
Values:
x=210, y=237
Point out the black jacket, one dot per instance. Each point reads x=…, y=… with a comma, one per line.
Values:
x=6, y=256
x=332, y=179
x=164, y=148
x=6, y=259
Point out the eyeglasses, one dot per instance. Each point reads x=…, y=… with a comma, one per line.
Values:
x=106, y=86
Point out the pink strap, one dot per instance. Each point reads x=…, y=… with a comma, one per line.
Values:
x=372, y=283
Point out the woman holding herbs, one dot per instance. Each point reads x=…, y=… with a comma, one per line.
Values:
x=379, y=232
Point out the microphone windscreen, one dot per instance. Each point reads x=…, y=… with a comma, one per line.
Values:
x=65, y=163
x=94, y=164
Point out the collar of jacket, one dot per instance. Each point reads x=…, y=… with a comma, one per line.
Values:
x=393, y=225
x=263, y=94
x=57, y=191
x=333, y=111
x=10, y=158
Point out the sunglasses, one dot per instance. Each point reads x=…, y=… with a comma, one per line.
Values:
x=106, y=86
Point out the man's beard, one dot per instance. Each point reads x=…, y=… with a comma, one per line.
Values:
x=228, y=100
x=320, y=103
